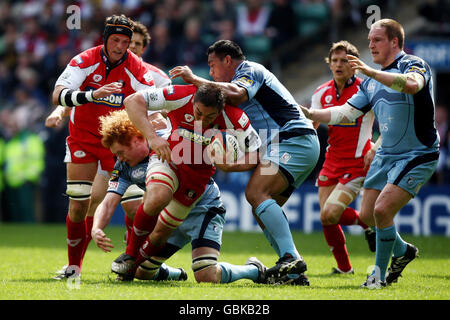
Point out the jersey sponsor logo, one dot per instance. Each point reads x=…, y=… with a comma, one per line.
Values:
x=114, y=100
x=245, y=81
x=416, y=69
x=323, y=178
x=79, y=154
x=194, y=136
x=97, y=77
x=243, y=120
x=371, y=87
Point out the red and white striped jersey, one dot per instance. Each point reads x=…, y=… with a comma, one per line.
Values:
x=346, y=141
x=91, y=70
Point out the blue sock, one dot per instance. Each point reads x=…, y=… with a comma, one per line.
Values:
x=272, y=241
x=277, y=225
x=399, y=247
x=385, y=243
x=167, y=273
x=231, y=272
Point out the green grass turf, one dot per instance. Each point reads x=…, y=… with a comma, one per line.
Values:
x=30, y=254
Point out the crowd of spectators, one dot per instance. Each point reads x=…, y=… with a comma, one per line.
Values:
x=36, y=43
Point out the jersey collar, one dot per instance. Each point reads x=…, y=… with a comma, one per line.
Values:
x=394, y=64
x=108, y=64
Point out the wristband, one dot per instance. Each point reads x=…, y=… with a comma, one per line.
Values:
x=72, y=98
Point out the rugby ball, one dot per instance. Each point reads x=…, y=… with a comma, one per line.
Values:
x=225, y=143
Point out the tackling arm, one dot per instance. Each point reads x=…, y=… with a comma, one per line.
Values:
x=333, y=115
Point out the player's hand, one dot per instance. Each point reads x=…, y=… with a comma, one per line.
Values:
x=101, y=240
x=161, y=147
x=53, y=120
x=306, y=111
x=368, y=157
x=107, y=90
x=184, y=72
x=357, y=64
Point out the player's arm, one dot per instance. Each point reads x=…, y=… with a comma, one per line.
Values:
x=411, y=82
x=235, y=95
x=368, y=157
x=58, y=114
x=136, y=106
x=102, y=217
x=333, y=115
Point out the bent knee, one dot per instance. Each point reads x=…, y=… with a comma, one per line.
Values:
x=211, y=275
x=329, y=216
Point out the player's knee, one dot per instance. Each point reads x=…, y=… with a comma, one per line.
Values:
x=78, y=210
x=206, y=268
x=211, y=275
x=329, y=216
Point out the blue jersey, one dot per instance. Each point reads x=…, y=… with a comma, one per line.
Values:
x=123, y=176
x=270, y=105
x=406, y=121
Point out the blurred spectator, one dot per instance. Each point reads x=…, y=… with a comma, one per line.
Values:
x=252, y=18
x=2, y=179
x=221, y=15
x=191, y=49
x=282, y=24
x=162, y=50
x=24, y=163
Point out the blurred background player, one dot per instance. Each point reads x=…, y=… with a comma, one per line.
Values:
x=98, y=79
x=291, y=140
x=203, y=226
x=178, y=170
x=343, y=171
x=401, y=96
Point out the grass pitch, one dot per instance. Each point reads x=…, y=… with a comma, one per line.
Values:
x=30, y=255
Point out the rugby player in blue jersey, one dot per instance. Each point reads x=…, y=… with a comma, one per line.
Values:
x=290, y=147
x=203, y=226
x=401, y=96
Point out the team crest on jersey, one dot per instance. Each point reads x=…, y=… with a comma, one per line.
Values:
x=285, y=158
x=79, y=154
x=371, y=87
x=97, y=77
x=189, y=117
x=328, y=98
x=138, y=174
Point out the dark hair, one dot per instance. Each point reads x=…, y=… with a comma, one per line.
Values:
x=142, y=30
x=223, y=48
x=211, y=95
x=342, y=45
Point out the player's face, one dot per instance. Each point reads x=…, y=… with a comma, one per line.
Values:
x=117, y=45
x=380, y=46
x=339, y=66
x=205, y=114
x=219, y=69
x=137, y=44
x=131, y=154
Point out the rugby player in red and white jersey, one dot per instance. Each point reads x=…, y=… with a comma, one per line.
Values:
x=94, y=83
x=344, y=169
x=179, y=168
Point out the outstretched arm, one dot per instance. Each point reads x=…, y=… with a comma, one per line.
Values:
x=410, y=83
x=235, y=94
